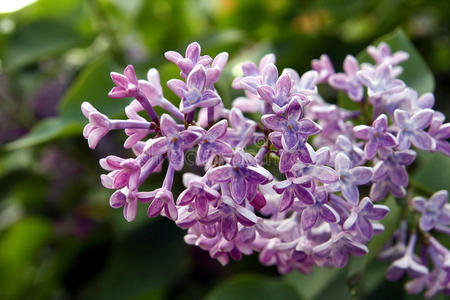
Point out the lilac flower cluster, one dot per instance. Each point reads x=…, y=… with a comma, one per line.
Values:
x=317, y=207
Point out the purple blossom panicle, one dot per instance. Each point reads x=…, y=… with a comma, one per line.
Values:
x=310, y=209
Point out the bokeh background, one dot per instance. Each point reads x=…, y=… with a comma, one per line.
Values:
x=59, y=239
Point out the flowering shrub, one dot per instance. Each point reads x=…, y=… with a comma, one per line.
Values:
x=317, y=207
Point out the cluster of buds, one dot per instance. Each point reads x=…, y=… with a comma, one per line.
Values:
x=316, y=207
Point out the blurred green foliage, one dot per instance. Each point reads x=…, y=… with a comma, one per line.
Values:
x=58, y=237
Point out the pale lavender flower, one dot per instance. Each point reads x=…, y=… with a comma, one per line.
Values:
x=174, y=142
x=126, y=85
x=352, y=150
x=242, y=130
x=361, y=216
x=193, y=93
x=324, y=68
x=254, y=75
x=241, y=174
x=393, y=166
x=380, y=189
x=191, y=60
x=348, y=81
x=383, y=53
x=349, y=178
x=292, y=126
x=289, y=189
x=339, y=247
x=375, y=135
x=231, y=214
x=440, y=133
x=411, y=129
x=201, y=194
x=380, y=81
x=407, y=263
x=211, y=145
x=434, y=211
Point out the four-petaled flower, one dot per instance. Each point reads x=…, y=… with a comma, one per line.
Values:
x=375, y=135
x=291, y=126
x=434, y=211
x=380, y=81
x=231, y=214
x=211, y=144
x=348, y=81
x=411, y=129
x=127, y=85
x=201, y=194
x=174, y=142
x=324, y=68
x=193, y=93
x=361, y=216
x=243, y=174
x=350, y=178
x=160, y=199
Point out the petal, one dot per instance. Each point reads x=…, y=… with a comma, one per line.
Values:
x=117, y=199
x=168, y=125
x=219, y=129
x=287, y=198
x=399, y=175
x=258, y=175
x=342, y=163
x=193, y=51
x=401, y=117
x=351, y=65
x=238, y=188
x=303, y=194
x=362, y=131
x=220, y=174
x=427, y=222
x=419, y=204
x=189, y=139
x=422, y=140
x=273, y=122
x=325, y=174
x=266, y=93
x=439, y=199
x=130, y=210
x=309, y=218
x=283, y=86
x=422, y=119
x=328, y=214
x=155, y=207
x=229, y=227
x=270, y=74
x=378, y=212
x=350, y=193
x=361, y=175
x=170, y=210
x=159, y=146
x=130, y=74
x=294, y=110
x=178, y=87
x=186, y=197
x=365, y=227
x=308, y=127
x=176, y=158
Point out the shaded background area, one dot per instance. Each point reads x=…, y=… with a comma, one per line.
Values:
x=59, y=239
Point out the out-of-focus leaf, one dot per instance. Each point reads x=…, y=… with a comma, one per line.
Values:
x=39, y=40
x=312, y=286
x=433, y=171
x=45, y=131
x=252, y=286
x=92, y=85
x=416, y=74
x=19, y=249
x=143, y=262
x=15, y=161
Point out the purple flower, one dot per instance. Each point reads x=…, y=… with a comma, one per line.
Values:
x=288, y=158
x=348, y=81
x=97, y=127
x=289, y=190
x=353, y=152
x=193, y=93
x=242, y=130
x=201, y=194
x=253, y=75
x=324, y=68
x=317, y=170
x=338, y=248
x=434, y=211
x=211, y=145
x=440, y=133
x=241, y=173
x=411, y=129
x=278, y=91
x=380, y=189
x=350, y=178
x=126, y=85
x=231, y=214
x=380, y=81
x=320, y=210
x=407, y=263
x=160, y=199
x=120, y=199
x=174, y=142
x=361, y=216
x=393, y=166
x=376, y=136
x=124, y=173
x=291, y=126
x=191, y=60
x=382, y=53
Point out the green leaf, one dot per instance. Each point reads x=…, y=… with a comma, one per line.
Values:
x=416, y=74
x=433, y=172
x=39, y=40
x=252, y=286
x=45, y=131
x=319, y=284
x=20, y=247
